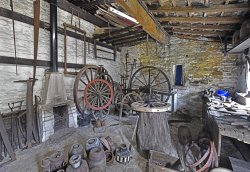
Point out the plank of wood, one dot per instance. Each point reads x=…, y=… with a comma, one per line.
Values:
x=139, y=11
x=239, y=165
x=202, y=27
x=189, y=9
x=222, y=20
x=243, y=148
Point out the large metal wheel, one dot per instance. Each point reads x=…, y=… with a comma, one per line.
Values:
x=83, y=78
x=152, y=83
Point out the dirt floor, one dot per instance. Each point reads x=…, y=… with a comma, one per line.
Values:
x=29, y=160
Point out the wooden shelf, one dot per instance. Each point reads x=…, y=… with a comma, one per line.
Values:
x=239, y=48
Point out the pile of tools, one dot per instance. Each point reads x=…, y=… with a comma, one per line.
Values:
x=21, y=126
x=98, y=153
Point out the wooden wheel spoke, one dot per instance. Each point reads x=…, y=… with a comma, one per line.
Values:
x=140, y=80
x=86, y=74
x=155, y=78
x=91, y=74
x=159, y=83
x=144, y=79
x=83, y=81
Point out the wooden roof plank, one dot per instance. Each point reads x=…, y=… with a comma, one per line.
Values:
x=222, y=20
x=139, y=11
x=217, y=8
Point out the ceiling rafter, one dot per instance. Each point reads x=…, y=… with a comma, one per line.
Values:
x=222, y=20
x=138, y=10
x=215, y=8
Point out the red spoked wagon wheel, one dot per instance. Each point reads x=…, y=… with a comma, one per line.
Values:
x=98, y=94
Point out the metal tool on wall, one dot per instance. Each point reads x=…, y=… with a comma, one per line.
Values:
x=66, y=26
x=31, y=130
x=36, y=6
x=13, y=27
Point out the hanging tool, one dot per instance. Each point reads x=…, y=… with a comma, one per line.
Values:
x=36, y=6
x=13, y=28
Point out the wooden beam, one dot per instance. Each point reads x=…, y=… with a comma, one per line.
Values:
x=197, y=38
x=222, y=20
x=30, y=62
x=69, y=7
x=221, y=34
x=131, y=40
x=93, y=3
x=190, y=9
x=127, y=38
x=122, y=35
x=203, y=27
x=139, y=11
x=116, y=32
x=44, y=25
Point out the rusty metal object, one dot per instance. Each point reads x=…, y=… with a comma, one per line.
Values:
x=207, y=161
x=36, y=6
x=76, y=149
x=97, y=158
x=127, y=100
x=45, y=165
x=123, y=154
x=13, y=29
x=6, y=141
x=92, y=143
x=111, y=143
x=109, y=157
x=77, y=164
x=56, y=161
x=65, y=44
x=105, y=143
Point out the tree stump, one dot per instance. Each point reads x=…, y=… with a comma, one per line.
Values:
x=153, y=131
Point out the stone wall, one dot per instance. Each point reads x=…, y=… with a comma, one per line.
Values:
x=204, y=66
x=10, y=91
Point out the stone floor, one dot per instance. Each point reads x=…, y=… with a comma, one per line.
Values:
x=29, y=160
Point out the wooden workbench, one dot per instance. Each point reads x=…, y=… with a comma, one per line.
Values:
x=221, y=123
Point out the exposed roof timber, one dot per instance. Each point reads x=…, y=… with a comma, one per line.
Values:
x=67, y=6
x=222, y=20
x=197, y=38
x=217, y=8
x=113, y=41
x=131, y=41
x=116, y=32
x=139, y=11
x=93, y=3
x=205, y=33
x=122, y=35
x=202, y=27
